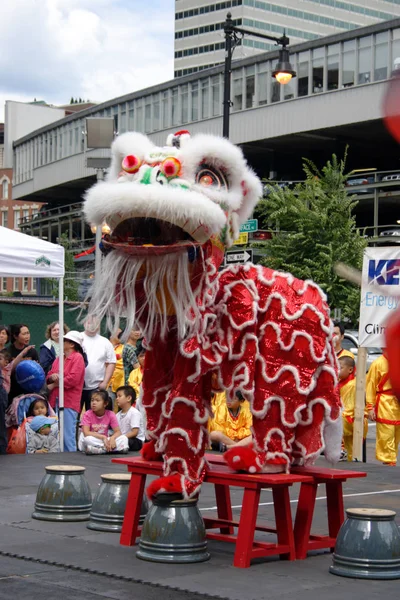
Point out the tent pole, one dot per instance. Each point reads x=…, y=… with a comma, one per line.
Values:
x=61, y=358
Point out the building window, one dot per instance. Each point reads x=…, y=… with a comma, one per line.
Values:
x=25, y=284
x=381, y=61
x=204, y=99
x=364, y=59
x=25, y=215
x=250, y=86
x=147, y=115
x=184, y=103
x=16, y=284
x=17, y=218
x=215, y=99
x=4, y=218
x=165, y=109
x=333, y=66
x=195, y=101
x=4, y=284
x=318, y=70
x=5, y=189
x=131, y=116
x=237, y=91
x=302, y=74
x=175, y=119
x=349, y=62
x=33, y=284
x=156, y=113
x=263, y=79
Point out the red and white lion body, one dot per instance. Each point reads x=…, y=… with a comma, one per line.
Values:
x=173, y=211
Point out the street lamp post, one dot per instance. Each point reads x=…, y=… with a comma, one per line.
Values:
x=283, y=71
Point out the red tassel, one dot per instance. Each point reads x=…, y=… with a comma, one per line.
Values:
x=170, y=485
x=148, y=451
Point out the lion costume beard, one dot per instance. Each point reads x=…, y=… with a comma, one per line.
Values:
x=150, y=290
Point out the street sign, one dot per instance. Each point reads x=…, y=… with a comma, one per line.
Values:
x=238, y=256
x=242, y=239
x=250, y=225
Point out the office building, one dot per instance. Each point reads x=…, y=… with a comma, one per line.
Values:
x=199, y=35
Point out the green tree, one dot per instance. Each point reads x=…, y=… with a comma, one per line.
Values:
x=316, y=229
x=70, y=283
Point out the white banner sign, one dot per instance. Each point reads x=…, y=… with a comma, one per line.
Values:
x=380, y=293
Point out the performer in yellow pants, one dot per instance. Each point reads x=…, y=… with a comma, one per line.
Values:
x=384, y=408
x=347, y=389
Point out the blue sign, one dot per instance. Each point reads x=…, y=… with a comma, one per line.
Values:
x=250, y=225
x=384, y=272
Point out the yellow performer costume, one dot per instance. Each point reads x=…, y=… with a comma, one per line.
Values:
x=118, y=376
x=347, y=389
x=135, y=379
x=387, y=410
x=236, y=428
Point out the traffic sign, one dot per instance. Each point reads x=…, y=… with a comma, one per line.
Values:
x=250, y=225
x=242, y=239
x=238, y=256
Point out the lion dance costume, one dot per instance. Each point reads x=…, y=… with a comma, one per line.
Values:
x=172, y=212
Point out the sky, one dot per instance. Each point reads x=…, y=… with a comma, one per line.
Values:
x=94, y=49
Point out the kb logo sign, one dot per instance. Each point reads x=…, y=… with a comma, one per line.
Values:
x=384, y=272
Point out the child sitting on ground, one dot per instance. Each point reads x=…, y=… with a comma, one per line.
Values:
x=232, y=423
x=136, y=376
x=42, y=440
x=347, y=390
x=96, y=426
x=129, y=418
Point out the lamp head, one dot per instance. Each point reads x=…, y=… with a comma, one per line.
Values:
x=284, y=71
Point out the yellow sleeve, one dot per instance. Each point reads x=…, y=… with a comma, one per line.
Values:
x=373, y=378
x=245, y=430
x=218, y=423
x=134, y=381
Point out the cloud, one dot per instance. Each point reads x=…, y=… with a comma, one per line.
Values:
x=94, y=49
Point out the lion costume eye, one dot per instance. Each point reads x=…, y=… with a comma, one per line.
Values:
x=207, y=176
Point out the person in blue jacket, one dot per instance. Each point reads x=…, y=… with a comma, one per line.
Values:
x=49, y=351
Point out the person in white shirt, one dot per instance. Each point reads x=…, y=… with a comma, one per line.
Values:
x=101, y=361
x=129, y=418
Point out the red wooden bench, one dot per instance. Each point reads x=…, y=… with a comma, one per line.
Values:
x=333, y=480
x=222, y=478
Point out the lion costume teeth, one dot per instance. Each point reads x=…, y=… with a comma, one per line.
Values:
x=172, y=212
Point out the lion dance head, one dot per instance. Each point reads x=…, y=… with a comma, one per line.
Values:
x=172, y=212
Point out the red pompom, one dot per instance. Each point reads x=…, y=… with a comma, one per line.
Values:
x=148, y=451
x=242, y=458
x=169, y=485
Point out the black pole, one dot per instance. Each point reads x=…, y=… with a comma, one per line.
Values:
x=229, y=33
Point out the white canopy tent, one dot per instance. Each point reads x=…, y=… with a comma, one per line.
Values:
x=26, y=256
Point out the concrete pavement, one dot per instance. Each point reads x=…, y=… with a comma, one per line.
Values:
x=66, y=560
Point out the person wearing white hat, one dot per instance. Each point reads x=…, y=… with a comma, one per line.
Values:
x=74, y=377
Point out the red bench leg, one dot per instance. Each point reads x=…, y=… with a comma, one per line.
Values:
x=247, y=525
x=283, y=520
x=130, y=525
x=334, y=500
x=224, y=507
x=304, y=517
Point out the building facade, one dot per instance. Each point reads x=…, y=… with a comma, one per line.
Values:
x=12, y=214
x=199, y=36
